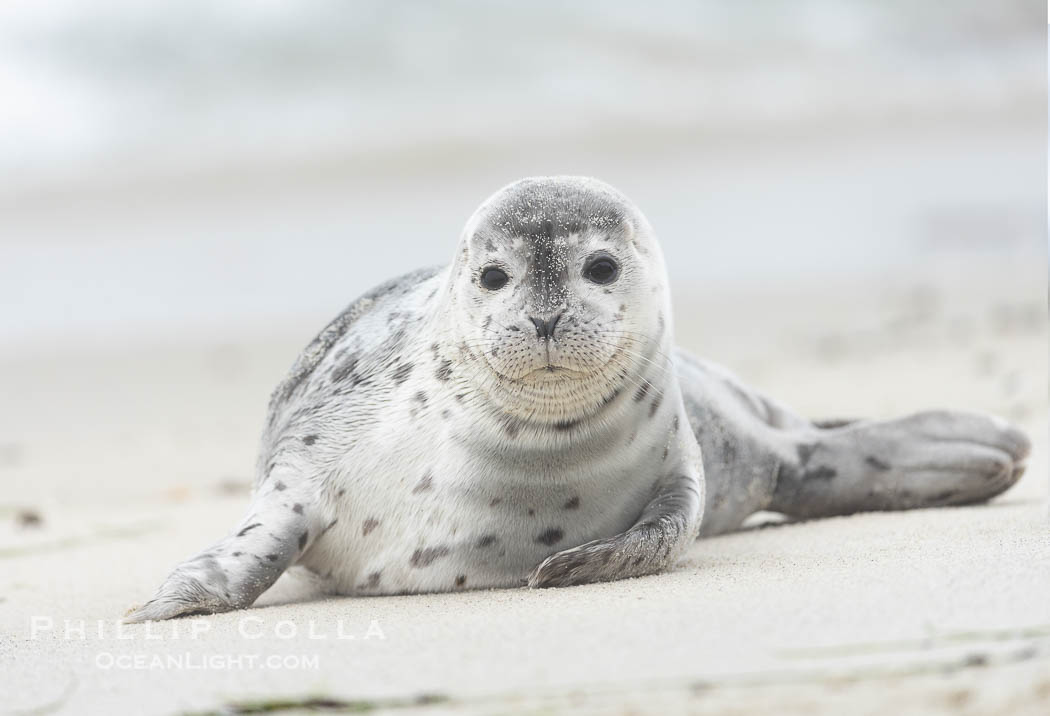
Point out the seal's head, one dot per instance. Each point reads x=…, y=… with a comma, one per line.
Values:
x=559, y=298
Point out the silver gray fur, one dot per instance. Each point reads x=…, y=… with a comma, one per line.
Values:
x=440, y=435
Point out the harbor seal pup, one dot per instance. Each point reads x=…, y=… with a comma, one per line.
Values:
x=524, y=417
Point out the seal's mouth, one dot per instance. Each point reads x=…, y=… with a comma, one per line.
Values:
x=552, y=373
x=549, y=371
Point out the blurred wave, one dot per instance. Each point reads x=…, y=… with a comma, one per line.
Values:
x=216, y=164
x=117, y=80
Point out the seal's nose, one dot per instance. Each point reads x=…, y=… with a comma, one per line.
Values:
x=545, y=328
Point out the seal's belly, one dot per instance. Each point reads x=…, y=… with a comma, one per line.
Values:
x=404, y=526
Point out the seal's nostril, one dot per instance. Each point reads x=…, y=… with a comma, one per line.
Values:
x=545, y=328
x=552, y=323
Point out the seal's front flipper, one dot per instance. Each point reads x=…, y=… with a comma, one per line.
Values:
x=929, y=459
x=232, y=573
x=669, y=524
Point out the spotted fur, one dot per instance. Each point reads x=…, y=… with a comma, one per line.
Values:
x=440, y=435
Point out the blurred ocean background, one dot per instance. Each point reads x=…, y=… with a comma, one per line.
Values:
x=225, y=167
x=851, y=196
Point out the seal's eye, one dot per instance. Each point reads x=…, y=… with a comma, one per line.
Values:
x=493, y=278
x=602, y=270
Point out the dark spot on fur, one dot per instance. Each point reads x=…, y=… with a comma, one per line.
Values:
x=833, y=423
x=572, y=504
x=370, y=524
x=344, y=370
x=342, y=491
x=878, y=464
x=237, y=554
x=563, y=425
x=303, y=538
x=639, y=395
x=486, y=541
x=510, y=428
x=421, y=397
x=279, y=486
x=531, y=512
x=444, y=371
x=424, y=484
x=729, y=451
x=297, y=508
x=487, y=322
x=805, y=452
x=638, y=560
x=655, y=404
x=495, y=501
x=446, y=414
x=330, y=525
x=461, y=580
x=309, y=440
x=372, y=581
x=400, y=374
x=550, y=536
x=674, y=425
x=248, y=529
x=425, y=557
x=667, y=449
x=821, y=473
x=272, y=557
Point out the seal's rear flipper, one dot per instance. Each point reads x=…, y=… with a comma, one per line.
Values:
x=232, y=573
x=929, y=459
